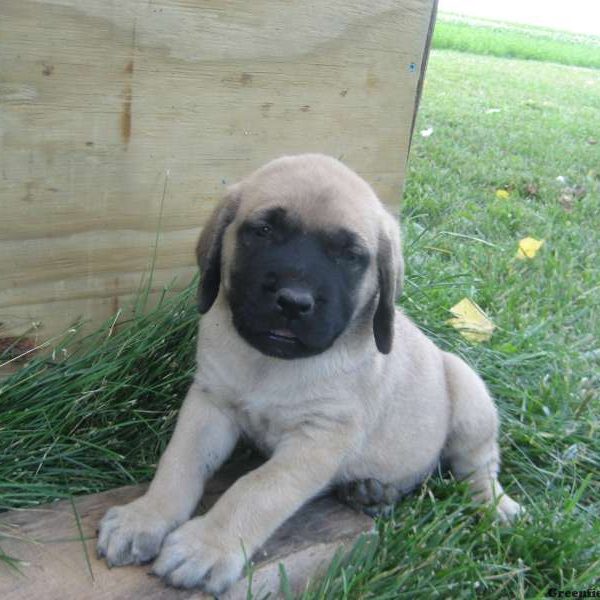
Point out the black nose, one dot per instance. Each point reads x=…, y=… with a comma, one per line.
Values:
x=294, y=303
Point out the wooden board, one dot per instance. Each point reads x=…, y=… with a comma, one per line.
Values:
x=102, y=104
x=49, y=542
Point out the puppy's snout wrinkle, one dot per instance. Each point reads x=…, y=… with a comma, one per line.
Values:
x=294, y=303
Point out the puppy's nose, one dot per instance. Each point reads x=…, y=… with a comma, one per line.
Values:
x=294, y=303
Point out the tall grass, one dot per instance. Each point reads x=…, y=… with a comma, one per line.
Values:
x=100, y=417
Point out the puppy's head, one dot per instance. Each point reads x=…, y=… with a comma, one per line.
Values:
x=302, y=249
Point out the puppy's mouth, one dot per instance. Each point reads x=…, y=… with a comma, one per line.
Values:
x=280, y=340
x=282, y=335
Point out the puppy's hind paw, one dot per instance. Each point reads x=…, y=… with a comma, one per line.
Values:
x=370, y=496
x=507, y=510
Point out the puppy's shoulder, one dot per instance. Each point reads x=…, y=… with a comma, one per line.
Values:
x=411, y=344
x=407, y=329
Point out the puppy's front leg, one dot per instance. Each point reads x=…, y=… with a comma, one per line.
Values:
x=203, y=438
x=209, y=551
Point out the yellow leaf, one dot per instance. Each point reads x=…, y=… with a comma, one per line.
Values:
x=502, y=194
x=528, y=247
x=471, y=322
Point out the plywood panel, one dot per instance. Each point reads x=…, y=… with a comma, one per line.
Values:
x=53, y=549
x=104, y=102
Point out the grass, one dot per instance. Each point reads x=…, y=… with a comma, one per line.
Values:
x=542, y=362
x=511, y=41
x=101, y=417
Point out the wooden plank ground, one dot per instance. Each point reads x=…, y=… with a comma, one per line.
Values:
x=103, y=104
x=48, y=541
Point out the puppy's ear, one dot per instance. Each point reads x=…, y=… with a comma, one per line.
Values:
x=208, y=249
x=390, y=274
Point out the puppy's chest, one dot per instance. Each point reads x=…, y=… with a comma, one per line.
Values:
x=265, y=421
x=267, y=415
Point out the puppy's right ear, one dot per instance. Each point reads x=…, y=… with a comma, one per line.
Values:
x=208, y=249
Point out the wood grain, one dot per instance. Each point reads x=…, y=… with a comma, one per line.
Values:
x=100, y=102
x=48, y=541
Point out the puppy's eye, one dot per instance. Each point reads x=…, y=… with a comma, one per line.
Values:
x=351, y=257
x=263, y=231
x=347, y=256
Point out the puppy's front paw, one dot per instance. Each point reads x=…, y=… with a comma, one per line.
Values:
x=197, y=556
x=132, y=534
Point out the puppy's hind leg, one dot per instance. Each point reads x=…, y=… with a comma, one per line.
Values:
x=472, y=445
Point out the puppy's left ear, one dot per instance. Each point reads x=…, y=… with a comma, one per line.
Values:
x=390, y=275
x=208, y=249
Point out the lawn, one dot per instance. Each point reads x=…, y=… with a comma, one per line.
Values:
x=501, y=124
x=531, y=129
x=516, y=41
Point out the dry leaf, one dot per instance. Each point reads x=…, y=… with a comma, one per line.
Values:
x=531, y=190
x=579, y=192
x=16, y=348
x=528, y=247
x=592, y=141
x=570, y=195
x=566, y=200
x=471, y=322
x=502, y=194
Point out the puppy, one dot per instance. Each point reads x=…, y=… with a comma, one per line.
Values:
x=303, y=351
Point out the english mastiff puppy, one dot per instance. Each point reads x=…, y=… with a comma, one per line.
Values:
x=302, y=350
